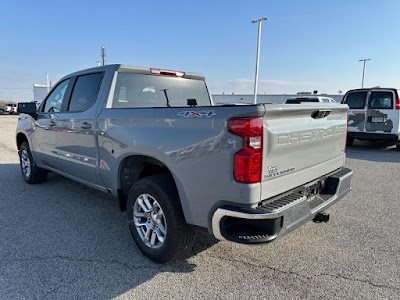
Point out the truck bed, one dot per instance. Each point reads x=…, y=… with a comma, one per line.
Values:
x=195, y=145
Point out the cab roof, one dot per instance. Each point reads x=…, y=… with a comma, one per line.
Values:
x=124, y=68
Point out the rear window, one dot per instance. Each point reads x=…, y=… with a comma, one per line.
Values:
x=356, y=100
x=381, y=100
x=138, y=90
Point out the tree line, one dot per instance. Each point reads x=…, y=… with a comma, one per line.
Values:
x=4, y=102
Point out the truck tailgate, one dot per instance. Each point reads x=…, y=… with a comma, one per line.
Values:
x=301, y=143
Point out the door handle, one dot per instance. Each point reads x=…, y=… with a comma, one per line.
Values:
x=86, y=125
x=52, y=124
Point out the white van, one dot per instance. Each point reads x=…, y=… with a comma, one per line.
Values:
x=373, y=114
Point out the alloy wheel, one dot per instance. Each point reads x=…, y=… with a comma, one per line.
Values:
x=149, y=220
x=25, y=163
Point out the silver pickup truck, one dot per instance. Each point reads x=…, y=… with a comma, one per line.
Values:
x=154, y=139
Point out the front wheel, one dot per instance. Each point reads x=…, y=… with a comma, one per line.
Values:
x=156, y=219
x=30, y=171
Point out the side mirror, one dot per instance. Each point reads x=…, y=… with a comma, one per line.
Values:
x=27, y=108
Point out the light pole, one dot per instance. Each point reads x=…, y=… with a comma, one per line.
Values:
x=364, y=60
x=259, y=21
x=48, y=82
x=103, y=55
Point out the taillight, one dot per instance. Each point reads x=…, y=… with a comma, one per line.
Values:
x=398, y=103
x=342, y=102
x=167, y=72
x=247, y=163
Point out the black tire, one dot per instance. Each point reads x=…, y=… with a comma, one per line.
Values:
x=36, y=174
x=398, y=147
x=350, y=141
x=179, y=235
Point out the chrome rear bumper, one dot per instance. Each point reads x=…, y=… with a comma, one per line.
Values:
x=277, y=216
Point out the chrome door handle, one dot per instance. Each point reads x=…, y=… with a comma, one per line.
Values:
x=86, y=125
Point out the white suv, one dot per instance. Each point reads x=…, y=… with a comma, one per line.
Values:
x=10, y=108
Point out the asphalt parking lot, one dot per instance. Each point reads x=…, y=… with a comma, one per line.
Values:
x=61, y=239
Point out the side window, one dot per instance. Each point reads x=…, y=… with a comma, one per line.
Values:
x=381, y=100
x=85, y=92
x=55, y=99
x=325, y=100
x=356, y=100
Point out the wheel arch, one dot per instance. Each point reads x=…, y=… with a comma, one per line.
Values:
x=136, y=167
x=21, y=137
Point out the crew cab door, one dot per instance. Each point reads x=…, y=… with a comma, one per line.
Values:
x=44, y=137
x=381, y=115
x=76, y=129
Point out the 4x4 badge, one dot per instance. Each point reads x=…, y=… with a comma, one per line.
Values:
x=198, y=114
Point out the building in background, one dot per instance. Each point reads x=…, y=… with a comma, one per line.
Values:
x=40, y=92
x=278, y=98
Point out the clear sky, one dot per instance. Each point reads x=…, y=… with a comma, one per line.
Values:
x=306, y=45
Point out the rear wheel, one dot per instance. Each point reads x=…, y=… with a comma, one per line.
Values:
x=156, y=219
x=30, y=171
x=350, y=141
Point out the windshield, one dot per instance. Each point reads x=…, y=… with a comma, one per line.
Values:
x=139, y=90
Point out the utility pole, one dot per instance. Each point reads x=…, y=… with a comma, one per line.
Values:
x=103, y=55
x=259, y=21
x=364, y=60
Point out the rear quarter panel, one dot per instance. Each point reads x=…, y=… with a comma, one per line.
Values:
x=197, y=150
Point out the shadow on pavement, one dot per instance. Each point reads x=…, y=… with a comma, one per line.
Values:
x=373, y=151
x=61, y=238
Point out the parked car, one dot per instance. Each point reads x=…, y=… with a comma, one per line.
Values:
x=308, y=99
x=10, y=108
x=14, y=110
x=373, y=115
x=153, y=138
